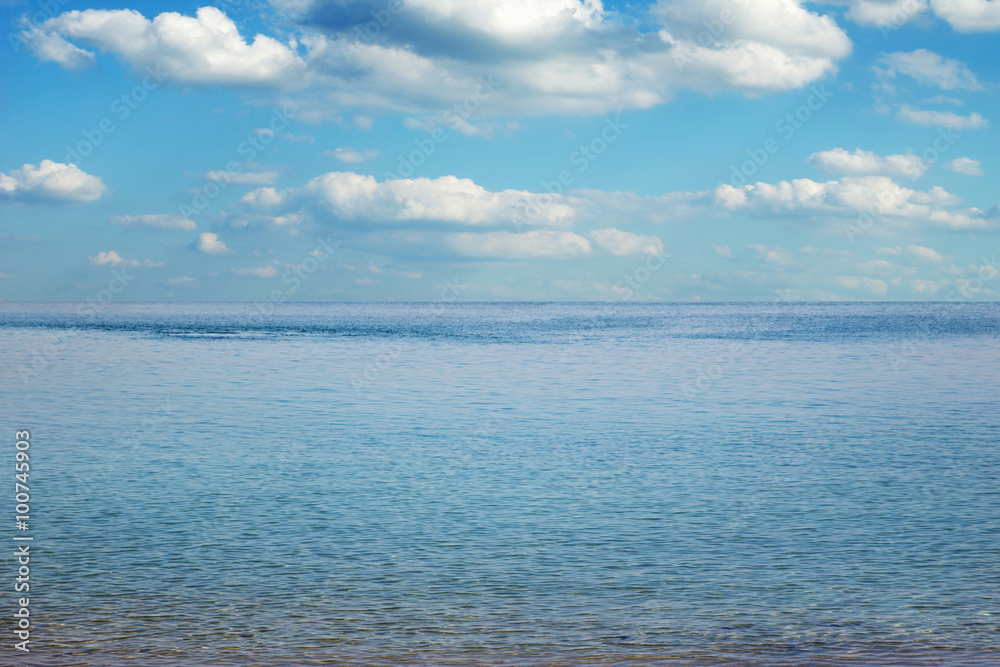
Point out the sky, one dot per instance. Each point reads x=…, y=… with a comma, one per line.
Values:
x=488, y=150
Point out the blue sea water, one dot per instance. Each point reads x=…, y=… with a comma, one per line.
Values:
x=507, y=484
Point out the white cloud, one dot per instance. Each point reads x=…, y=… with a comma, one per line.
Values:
x=874, y=195
x=779, y=256
x=339, y=197
x=781, y=29
x=204, y=49
x=518, y=19
x=546, y=56
x=930, y=68
x=155, y=221
x=928, y=286
x=50, y=182
x=286, y=220
x=51, y=47
x=112, y=258
x=943, y=99
x=969, y=15
x=351, y=156
x=885, y=13
x=858, y=163
x=257, y=271
x=943, y=118
x=535, y=244
x=210, y=244
x=180, y=280
x=925, y=254
x=882, y=266
x=895, y=252
x=624, y=244
x=870, y=285
x=287, y=136
x=107, y=258
x=965, y=165
x=723, y=251
x=600, y=205
x=243, y=178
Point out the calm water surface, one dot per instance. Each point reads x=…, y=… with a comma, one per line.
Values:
x=508, y=484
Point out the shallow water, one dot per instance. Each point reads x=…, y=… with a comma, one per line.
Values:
x=557, y=484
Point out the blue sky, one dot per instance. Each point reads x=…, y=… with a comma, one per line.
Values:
x=531, y=150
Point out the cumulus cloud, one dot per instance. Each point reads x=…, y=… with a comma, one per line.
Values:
x=870, y=285
x=210, y=244
x=345, y=197
x=928, y=286
x=859, y=163
x=885, y=13
x=965, y=165
x=930, y=68
x=112, y=258
x=779, y=256
x=601, y=205
x=962, y=15
x=969, y=15
x=536, y=244
x=107, y=258
x=925, y=254
x=351, y=156
x=421, y=216
x=204, y=49
x=625, y=244
x=50, y=182
x=895, y=252
x=180, y=280
x=51, y=47
x=943, y=118
x=257, y=271
x=155, y=221
x=883, y=267
x=540, y=57
x=847, y=197
x=287, y=136
x=723, y=251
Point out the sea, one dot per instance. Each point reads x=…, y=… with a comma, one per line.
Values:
x=503, y=484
